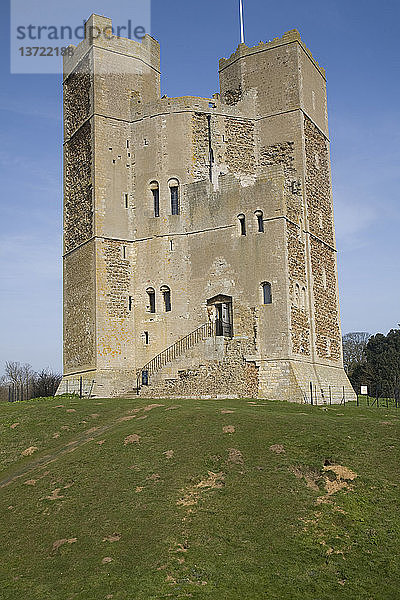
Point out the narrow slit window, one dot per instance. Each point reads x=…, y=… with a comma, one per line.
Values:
x=130, y=303
x=123, y=251
x=156, y=198
x=174, y=191
x=242, y=224
x=297, y=295
x=126, y=197
x=324, y=280
x=260, y=221
x=266, y=292
x=166, y=292
x=303, y=297
x=171, y=245
x=151, y=297
x=146, y=337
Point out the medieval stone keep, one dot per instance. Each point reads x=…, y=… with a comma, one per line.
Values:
x=199, y=246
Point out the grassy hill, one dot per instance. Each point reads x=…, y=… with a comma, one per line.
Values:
x=228, y=499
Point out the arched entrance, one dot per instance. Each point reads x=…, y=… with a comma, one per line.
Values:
x=220, y=312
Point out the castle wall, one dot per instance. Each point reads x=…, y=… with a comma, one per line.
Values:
x=259, y=147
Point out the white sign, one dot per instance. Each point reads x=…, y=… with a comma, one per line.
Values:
x=364, y=390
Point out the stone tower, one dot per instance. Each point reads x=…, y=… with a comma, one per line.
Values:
x=199, y=245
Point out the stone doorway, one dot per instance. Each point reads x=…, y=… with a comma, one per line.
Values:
x=220, y=312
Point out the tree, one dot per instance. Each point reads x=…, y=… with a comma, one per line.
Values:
x=354, y=345
x=383, y=360
x=17, y=373
x=45, y=383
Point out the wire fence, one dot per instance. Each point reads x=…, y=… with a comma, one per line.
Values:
x=17, y=392
x=317, y=395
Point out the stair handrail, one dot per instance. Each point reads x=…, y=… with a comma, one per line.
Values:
x=176, y=349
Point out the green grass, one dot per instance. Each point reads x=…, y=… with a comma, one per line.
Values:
x=255, y=528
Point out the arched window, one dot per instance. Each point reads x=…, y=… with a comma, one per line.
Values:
x=297, y=295
x=173, y=185
x=151, y=299
x=155, y=190
x=166, y=292
x=266, y=292
x=260, y=221
x=242, y=224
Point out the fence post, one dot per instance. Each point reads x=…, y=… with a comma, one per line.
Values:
x=311, y=393
x=80, y=386
x=330, y=396
x=344, y=397
x=357, y=400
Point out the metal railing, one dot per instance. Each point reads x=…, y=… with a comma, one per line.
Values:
x=174, y=351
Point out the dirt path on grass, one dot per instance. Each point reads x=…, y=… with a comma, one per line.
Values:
x=87, y=436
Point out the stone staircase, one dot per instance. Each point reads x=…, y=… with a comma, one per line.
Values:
x=165, y=365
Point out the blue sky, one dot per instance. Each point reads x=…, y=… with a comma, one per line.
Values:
x=357, y=43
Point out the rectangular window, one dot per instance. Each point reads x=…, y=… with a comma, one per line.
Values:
x=146, y=337
x=123, y=251
x=174, y=200
x=126, y=196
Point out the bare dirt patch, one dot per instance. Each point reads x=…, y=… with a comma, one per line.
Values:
x=154, y=477
x=191, y=496
x=332, y=486
x=310, y=476
x=91, y=430
x=115, y=537
x=127, y=418
x=235, y=456
x=277, y=448
x=94, y=415
x=168, y=453
x=228, y=429
x=55, y=495
x=139, y=488
x=106, y=559
x=172, y=407
x=341, y=472
x=14, y=425
x=140, y=418
x=100, y=442
x=29, y=451
x=58, y=543
x=56, y=435
x=71, y=410
x=30, y=482
x=65, y=427
x=132, y=439
x=226, y=411
x=151, y=406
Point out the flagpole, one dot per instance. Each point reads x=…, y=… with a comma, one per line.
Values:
x=241, y=22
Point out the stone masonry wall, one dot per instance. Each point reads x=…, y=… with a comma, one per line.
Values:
x=323, y=259
x=232, y=377
x=78, y=202
x=77, y=97
x=327, y=332
x=318, y=183
x=118, y=279
x=200, y=168
x=240, y=146
x=79, y=304
x=282, y=154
